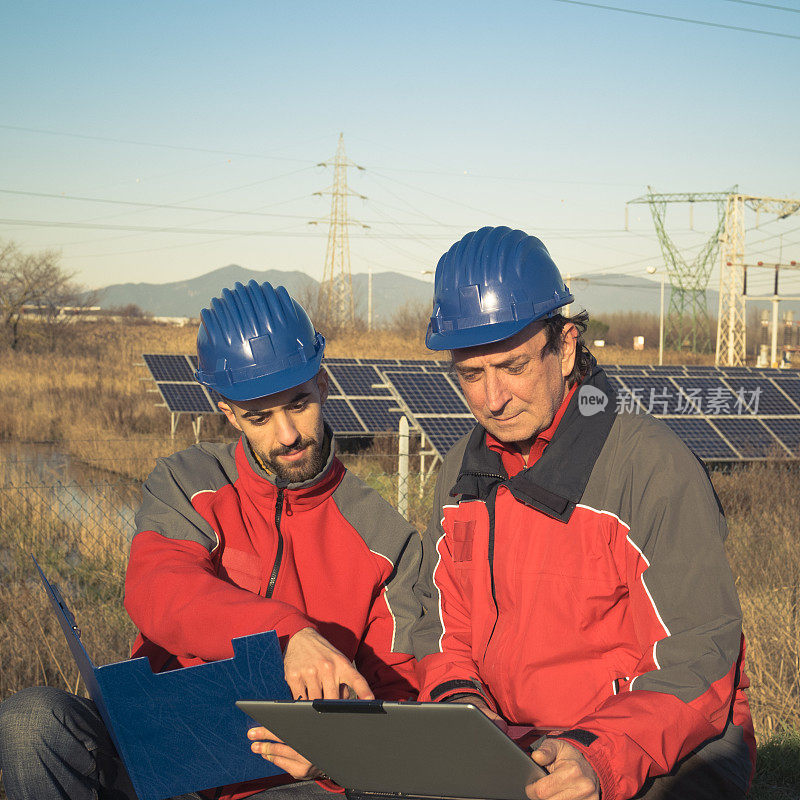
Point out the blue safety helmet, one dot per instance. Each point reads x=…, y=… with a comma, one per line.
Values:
x=255, y=341
x=489, y=286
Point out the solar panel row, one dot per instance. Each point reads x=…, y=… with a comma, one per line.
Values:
x=726, y=413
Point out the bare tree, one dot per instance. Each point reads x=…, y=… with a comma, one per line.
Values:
x=33, y=282
x=411, y=319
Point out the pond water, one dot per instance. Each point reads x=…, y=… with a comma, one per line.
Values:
x=76, y=492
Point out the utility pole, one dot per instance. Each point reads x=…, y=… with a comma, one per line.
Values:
x=652, y=271
x=731, y=320
x=369, y=296
x=687, y=318
x=336, y=289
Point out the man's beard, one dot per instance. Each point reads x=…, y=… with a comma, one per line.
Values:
x=304, y=470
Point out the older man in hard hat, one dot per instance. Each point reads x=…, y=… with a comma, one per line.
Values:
x=574, y=574
x=268, y=533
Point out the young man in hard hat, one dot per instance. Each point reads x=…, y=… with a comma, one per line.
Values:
x=574, y=573
x=269, y=533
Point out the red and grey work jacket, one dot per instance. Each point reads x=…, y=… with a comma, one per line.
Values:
x=223, y=551
x=590, y=596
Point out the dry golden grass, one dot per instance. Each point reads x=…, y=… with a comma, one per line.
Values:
x=764, y=550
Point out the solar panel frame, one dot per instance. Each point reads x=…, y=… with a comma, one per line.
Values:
x=668, y=370
x=444, y=431
x=617, y=385
x=427, y=393
x=698, y=434
x=791, y=388
x=379, y=414
x=701, y=369
x=750, y=437
x=787, y=431
x=632, y=370
x=778, y=374
x=169, y=368
x=770, y=400
x=341, y=417
x=358, y=380
x=182, y=397
x=741, y=370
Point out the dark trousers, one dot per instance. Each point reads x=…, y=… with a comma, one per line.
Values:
x=692, y=779
x=55, y=745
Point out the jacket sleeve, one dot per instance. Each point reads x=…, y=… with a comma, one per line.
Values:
x=172, y=591
x=442, y=636
x=385, y=656
x=687, y=619
x=176, y=600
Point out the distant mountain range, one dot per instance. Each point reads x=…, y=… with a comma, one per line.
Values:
x=599, y=294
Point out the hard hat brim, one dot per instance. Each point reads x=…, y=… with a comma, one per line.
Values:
x=473, y=337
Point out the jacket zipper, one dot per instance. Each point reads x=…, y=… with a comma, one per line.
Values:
x=279, y=554
x=491, y=507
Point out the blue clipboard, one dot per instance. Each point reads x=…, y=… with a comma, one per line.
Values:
x=180, y=731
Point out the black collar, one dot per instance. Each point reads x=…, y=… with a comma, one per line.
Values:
x=556, y=482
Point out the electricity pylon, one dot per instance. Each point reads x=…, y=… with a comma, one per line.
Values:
x=731, y=321
x=688, y=321
x=336, y=290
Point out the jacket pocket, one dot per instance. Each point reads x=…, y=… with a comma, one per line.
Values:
x=463, y=534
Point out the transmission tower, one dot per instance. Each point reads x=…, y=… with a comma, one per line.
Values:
x=731, y=321
x=336, y=290
x=688, y=320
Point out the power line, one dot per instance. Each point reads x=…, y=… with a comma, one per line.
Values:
x=175, y=207
x=205, y=231
x=462, y=174
x=678, y=19
x=186, y=148
x=765, y=5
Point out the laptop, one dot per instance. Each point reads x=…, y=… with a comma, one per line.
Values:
x=412, y=749
x=179, y=731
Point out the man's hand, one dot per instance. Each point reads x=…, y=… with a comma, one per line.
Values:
x=281, y=755
x=478, y=703
x=314, y=669
x=571, y=777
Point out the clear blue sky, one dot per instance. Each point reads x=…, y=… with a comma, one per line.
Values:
x=543, y=115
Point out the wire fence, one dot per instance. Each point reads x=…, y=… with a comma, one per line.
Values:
x=82, y=523
x=77, y=520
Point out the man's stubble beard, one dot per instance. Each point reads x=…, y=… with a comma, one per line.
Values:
x=312, y=464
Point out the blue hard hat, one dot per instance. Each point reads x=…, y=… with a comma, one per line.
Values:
x=489, y=286
x=254, y=341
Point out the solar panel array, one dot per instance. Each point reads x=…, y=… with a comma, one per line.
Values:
x=722, y=413
x=174, y=377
